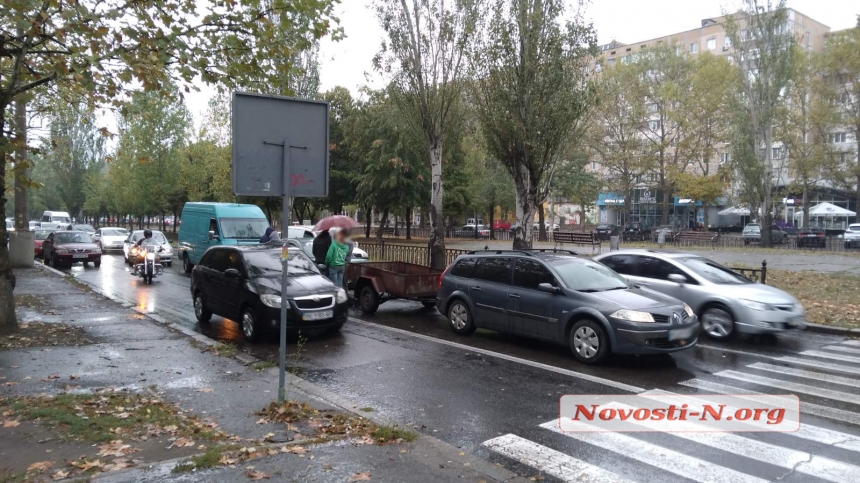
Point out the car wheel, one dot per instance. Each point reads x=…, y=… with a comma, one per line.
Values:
x=203, y=315
x=368, y=299
x=589, y=342
x=718, y=323
x=461, y=318
x=85, y=263
x=97, y=263
x=168, y=264
x=52, y=262
x=101, y=247
x=250, y=328
x=186, y=264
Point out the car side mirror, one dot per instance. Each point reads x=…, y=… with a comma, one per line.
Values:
x=231, y=273
x=322, y=267
x=549, y=288
x=213, y=236
x=677, y=278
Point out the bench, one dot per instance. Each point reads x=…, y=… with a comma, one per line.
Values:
x=692, y=237
x=576, y=238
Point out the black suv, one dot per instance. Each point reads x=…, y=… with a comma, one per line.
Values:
x=562, y=298
x=636, y=232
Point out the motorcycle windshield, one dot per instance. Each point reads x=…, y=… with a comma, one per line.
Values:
x=150, y=245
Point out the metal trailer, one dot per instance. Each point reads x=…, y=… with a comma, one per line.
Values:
x=377, y=282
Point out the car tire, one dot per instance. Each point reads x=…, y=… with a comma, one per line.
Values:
x=717, y=322
x=186, y=264
x=97, y=263
x=589, y=342
x=85, y=263
x=101, y=247
x=52, y=262
x=168, y=264
x=250, y=327
x=203, y=315
x=368, y=299
x=460, y=318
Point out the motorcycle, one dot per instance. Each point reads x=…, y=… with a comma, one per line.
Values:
x=147, y=262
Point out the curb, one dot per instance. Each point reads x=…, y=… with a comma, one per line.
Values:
x=832, y=329
x=313, y=391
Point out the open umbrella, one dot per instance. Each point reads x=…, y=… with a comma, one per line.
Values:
x=339, y=221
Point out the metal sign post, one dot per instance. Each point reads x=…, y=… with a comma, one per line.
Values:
x=258, y=120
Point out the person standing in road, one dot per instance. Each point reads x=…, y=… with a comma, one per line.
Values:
x=320, y=247
x=335, y=259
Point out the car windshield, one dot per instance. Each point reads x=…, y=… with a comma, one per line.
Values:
x=712, y=271
x=42, y=234
x=752, y=228
x=76, y=237
x=87, y=228
x=587, y=276
x=114, y=232
x=268, y=262
x=156, y=235
x=61, y=219
x=297, y=232
x=246, y=229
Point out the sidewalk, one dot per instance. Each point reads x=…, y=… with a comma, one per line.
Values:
x=92, y=388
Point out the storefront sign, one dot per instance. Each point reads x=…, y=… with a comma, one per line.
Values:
x=647, y=197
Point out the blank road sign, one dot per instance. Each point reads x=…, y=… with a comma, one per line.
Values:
x=261, y=123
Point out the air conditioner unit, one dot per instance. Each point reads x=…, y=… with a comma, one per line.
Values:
x=725, y=48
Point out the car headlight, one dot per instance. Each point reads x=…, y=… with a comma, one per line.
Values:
x=62, y=252
x=270, y=300
x=689, y=310
x=341, y=296
x=752, y=304
x=633, y=316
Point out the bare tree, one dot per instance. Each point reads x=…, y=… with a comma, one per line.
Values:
x=424, y=57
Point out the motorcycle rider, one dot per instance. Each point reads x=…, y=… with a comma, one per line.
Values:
x=147, y=235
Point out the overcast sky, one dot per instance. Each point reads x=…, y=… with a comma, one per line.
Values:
x=348, y=62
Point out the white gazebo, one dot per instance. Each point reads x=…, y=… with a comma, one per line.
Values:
x=827, y=216
x=735, y=211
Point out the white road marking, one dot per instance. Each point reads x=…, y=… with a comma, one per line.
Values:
x=817, y=376
x=805, y=407
x=851, y=342
x=550, y=461
x=546, y=367
x=819, y=364
x=829, y=355
x=806, y=431
x=792, y=386
x=657, y=456
x=839, y=348
x=800, y=461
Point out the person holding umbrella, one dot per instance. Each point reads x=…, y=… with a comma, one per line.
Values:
x=335, y=259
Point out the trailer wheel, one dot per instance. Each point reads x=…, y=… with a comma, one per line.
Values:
x=368, y=299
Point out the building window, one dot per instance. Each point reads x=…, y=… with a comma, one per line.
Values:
x=712, y=44
x=724, y=158
x=694, y=47
x=611, y=61
x=652, y=108
x=727, y=42
x=838, y=137
x=808, y=40
x=594, y=165
x=843, y=159
x=777, y=153
x=654, y=126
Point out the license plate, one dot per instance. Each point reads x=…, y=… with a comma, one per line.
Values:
x=322, y=314
x=80, y=255
x=677, y=334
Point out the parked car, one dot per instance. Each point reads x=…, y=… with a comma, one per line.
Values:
x=605, y=230
x=209, y=224
x=129, y=247
x=243, y=283
x=471, y=221
x=468, y=231
x=56, y=220
x=670, y=231
x=40, y=236
x=636, y=231
x=88, y=229
x=68, y=247
x=501, y=225
x=752, y=234
x=562, y=298
x=110, y=238
x=811, y=237
x=851, y=236
x=725, y=301
x=34, y=225
x=300, y=232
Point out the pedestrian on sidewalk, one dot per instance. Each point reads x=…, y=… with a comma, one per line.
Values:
x=335, y=259
x=267, y=236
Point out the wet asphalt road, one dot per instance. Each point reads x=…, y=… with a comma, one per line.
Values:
x=406, y=364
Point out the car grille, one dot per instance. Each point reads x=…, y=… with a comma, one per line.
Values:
x=321, y=302
x=79, y=250
x=660, y=318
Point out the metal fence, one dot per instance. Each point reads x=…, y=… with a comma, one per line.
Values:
x=755, y=274
x=831, y=244
x=420, y=255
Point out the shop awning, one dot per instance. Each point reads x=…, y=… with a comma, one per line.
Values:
x=826, y=210
x=735, y=211
x=609, y=199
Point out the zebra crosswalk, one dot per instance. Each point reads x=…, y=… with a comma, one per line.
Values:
x=815, y=452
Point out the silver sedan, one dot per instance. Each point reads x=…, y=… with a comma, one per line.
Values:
x=725, y=301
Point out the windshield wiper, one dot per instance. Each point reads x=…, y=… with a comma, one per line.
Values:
x=614, y=288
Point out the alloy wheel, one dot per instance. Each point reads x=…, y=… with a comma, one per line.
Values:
x=248, y=324
x=717, y=323
x=459, y=316
x=586, y=342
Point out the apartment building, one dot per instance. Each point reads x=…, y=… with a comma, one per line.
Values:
x=646, y=201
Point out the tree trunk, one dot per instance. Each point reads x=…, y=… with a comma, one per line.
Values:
x=8, y=323
x=380, y=230
x=525, y=209
x=767, y=215
x=409, y=223
x=438, y=259
x=21, y=170
x=368, y=221
x=541, y=223
x=396, y=226
x=665, y=217
x=492, y=215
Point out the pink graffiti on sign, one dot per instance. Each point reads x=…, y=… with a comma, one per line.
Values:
x=299, y=179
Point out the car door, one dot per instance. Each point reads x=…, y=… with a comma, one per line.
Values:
x=229, y=288
x=211, y=272
x=531, y=311
x=488, y=290
x=654, y=274
x=48, y=247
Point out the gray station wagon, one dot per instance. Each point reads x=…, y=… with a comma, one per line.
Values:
x=560, y=297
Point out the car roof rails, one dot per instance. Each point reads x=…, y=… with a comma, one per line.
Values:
x=499, y=252
x=553, y=250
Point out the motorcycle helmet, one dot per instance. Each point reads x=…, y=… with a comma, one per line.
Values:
x=147, y=233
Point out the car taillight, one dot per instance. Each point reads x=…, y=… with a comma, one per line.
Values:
x=443, y=275
x=820, y=235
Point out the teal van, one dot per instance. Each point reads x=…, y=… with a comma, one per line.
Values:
x=210, y=224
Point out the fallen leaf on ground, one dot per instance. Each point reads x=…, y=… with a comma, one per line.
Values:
x=294, y=449
x=205, y=389
x=74, y=376
x=40, y=466
x=183, y=443
x=7, y=413
x=10, y=423
x=227, y=461
x=59, y=475
x=85, y=465
x=363, y=476
x=257, y=475
x=10, y=383
x=119, y=464
x=54, y=376
x=116, y=448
